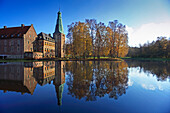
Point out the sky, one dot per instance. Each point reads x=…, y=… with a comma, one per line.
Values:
x=145, y=20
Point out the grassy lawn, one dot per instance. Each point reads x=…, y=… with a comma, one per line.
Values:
x=155, y=59
x=64, y=59
x=84, y=59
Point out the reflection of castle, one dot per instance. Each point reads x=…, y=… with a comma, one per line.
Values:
x=17, y=77
x=45, y=72
x=23, y=77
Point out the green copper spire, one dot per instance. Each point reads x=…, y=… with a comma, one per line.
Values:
x=59, y=25
x=59, y=91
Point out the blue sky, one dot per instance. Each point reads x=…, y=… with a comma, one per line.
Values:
x=137, y=15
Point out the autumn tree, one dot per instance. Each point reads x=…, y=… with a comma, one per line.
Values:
x=79, y=44
x=119, y=39
x=90, y=38
x=92, y=29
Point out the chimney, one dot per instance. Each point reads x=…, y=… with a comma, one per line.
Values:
x=22, y=25
x=5, y=27
x=49, y=34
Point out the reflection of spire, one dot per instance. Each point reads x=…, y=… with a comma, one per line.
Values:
x=59, y=80
x=59, y=91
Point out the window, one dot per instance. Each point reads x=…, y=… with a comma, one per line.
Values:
x=5, y=42
x=18, y=42
x=2, y=36
x=18, y=35
x=12, y=43
x=5, y=49
x=28, y=42
x=12, y=35
x=12, y=49
x=18, y=49
x=30, y=36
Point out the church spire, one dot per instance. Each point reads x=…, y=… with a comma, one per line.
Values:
x=59, y=25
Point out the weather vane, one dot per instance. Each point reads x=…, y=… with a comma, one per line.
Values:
x=59, y=5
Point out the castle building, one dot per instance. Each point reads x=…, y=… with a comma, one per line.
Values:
x=16, y=41
x=59, y=37
x=22, y=42
x=45, y=44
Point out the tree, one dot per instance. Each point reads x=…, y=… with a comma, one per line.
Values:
x=92, y=28
x=156, y=49
x=90, y=38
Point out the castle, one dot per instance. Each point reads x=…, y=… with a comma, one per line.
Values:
x=23, y=42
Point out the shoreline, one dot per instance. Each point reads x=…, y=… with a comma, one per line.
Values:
x=61, y=59
x=147, y=59
x=84, y=59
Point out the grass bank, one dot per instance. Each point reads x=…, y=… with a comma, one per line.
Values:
x=153, y=59
x=63, y=59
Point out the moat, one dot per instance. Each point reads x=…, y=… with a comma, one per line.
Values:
x=131, y=86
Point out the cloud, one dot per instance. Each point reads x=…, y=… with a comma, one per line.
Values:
x=147, y=32
x=160, y=88
x=130, y=83
x=148, y=87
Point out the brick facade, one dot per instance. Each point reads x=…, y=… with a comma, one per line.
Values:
x=15, y=41
x=45, y=44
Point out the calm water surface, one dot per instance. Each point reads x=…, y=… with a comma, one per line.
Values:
x=85, y=87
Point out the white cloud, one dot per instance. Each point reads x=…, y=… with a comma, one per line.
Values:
x=148, y=32
x=148, y=87
x=160, y=88
x=130, y=83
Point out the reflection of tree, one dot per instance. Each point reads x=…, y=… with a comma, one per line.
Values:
x=158, y=68
x=79, y=78
x=96, y=79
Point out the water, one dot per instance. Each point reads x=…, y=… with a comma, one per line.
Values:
x=85, y=87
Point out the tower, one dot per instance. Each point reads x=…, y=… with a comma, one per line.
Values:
x=59, y=37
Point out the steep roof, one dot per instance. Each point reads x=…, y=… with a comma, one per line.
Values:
x=59, y=25
x=13, y=31
x=44, y=36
